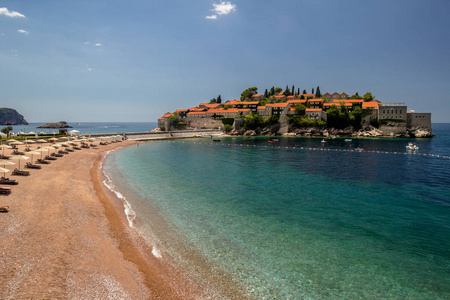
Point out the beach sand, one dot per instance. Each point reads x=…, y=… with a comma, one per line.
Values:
x=63, y=238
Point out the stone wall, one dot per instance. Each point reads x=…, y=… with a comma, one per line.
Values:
x=204, y=123
x=399, y=129
x=422, y=120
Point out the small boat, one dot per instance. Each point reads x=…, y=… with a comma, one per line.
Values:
x=273, y=141
x=412, y=147
x=359, y=149
x=216, y=140
x=323, y=141
x=347, y=140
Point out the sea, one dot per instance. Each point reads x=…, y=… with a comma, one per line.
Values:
x=90, y=127
x=297, y=218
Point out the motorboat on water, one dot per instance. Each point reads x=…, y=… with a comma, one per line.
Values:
x=323, y=141
x=347, y=140
x=411, y=146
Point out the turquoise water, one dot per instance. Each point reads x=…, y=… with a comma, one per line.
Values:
x=292, y=223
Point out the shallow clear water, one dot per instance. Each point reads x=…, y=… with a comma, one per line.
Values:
x=298, y=223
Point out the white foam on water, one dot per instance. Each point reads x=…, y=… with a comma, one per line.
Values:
x=129, y=212
x=156, y=252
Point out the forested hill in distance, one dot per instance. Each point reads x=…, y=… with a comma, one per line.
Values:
x=9, y=116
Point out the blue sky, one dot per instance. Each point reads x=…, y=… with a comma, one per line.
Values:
x=136, y=60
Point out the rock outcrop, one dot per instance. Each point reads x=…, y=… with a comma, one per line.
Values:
x=60, y=124
x=418, y=132
x=9, y=116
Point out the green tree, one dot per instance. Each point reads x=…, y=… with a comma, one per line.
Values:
x=312, y=91
x=213, y=101
x=299, y=108
x=278, y=90
x=219, y=99
x=293, y=90
x=253, y=121
x=368, y=97
x=287, y=92
x=298, y=91
x=7, y=130
x=248, y=93
x=304, y=92
x=318, y=94
x=356, y=96
x=227, y=127
x=266, y=94
x=272, y=91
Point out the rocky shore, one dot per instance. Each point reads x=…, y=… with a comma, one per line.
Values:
x=370, y=132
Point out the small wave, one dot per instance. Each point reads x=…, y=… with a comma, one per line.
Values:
x=129, y=212
x=156, y=252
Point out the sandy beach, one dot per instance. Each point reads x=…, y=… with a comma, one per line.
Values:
x=64, y=238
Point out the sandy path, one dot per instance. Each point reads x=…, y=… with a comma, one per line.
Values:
x=63, y=238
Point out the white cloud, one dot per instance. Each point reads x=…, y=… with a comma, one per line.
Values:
x=86, y=43
x=223, y=8
x=23, y=31
x=98, y=44
x=8, y=13
x=89, y=69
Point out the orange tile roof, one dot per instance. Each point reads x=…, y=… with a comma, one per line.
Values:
x=354, y=100
x=257, y=95
x=313, y=109
x=279, y=96
x=307, y=95
x=277, y=105
x=250, y=102
x=297, y=101
x=230, y=110
x=233, y=102
x=291, y=109
x=213, y=105
x=261, y=107
x=181, y=110
x=315, y=100
x=196, y=113
x=204, y=104
x=244, y=109
x=290, y=97
x=371, y=104
x=216, y=111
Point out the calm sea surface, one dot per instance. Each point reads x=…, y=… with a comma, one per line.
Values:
x=292, y=223
x=92, y=127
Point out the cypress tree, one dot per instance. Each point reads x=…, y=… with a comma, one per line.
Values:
x=318, y=94
x=293, y=92
x=312, y=91
x=304, y=92
x=272, y=91
x=298, y=91
x=266, y=95
x=219, y=100
x=286, y=91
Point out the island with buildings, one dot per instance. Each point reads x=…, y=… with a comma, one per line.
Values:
x=293, y=113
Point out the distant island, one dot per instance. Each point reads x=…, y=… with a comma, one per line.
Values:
x=9, y=116
x=291, y=113
x=60, y=124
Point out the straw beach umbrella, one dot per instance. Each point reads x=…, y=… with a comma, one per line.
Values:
x=4, y=171
x=32, y=153
x=5, y=147
x=19, y=157
x=42, y=150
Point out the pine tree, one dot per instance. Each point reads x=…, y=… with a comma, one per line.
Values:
x=318, y=94
x=304, y=92
x=219, y=100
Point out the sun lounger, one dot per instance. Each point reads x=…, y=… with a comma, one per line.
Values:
x=16, y=152
x=103, y=143
x=28, y=149
x=4, y=208
x=70, y=150
x=63, y=152
x=85, y=146
x=5, y=191
x=4, y=156
x=14, y=147
x=56, y=155
x=64, y=145
x=31, y=166
x=42, y=161
x=76, y=148
x=49, y=157
x=20, y=172
x=4, y=180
